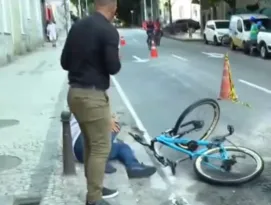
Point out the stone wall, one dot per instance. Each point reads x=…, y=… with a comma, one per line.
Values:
x=21, y=28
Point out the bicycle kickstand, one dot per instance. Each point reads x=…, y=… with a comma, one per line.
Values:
x=172, y=166
x=140, y=140
x=166, y=162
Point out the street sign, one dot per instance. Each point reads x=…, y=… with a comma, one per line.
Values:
x=140, y=60
x=213, y=55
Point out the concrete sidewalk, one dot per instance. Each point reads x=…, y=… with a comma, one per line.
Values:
x=33, y=94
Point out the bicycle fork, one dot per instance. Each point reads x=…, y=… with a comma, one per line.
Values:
x=162, y=160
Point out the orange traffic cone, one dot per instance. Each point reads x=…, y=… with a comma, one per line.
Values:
x=154, y=53
x=225, y=89
x=122, y=41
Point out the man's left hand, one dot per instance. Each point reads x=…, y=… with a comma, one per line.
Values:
x=114, y=125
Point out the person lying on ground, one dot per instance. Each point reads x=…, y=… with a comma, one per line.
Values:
x=119, y=151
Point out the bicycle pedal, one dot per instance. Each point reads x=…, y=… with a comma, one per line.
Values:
x=173, y=166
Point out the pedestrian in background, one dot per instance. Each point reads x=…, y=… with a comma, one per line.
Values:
x=52, y=32
x=91, y=55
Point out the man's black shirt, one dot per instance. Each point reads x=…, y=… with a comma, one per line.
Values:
x=91, y=52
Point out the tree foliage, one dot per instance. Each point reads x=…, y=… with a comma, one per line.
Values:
x=124, y=8
x=231, y=3
x=83, y=5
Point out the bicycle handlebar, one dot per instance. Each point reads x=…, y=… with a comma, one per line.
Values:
x=220, y=139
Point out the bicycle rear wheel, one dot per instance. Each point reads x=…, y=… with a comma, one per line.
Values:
x=216, y=114
x=224, y=171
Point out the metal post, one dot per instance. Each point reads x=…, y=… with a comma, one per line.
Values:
x=68, y=159
x=152, y=10
x=201, y=18
x=172, y=30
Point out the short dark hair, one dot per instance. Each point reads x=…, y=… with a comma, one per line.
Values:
x=104, y=2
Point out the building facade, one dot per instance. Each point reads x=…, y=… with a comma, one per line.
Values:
x=21, y=27
x=181, y=9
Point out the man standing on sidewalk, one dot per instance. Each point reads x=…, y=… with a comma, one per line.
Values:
x=90, y=55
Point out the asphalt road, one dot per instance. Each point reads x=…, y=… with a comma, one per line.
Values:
x=160, y=89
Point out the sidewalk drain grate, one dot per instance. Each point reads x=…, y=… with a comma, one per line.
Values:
x=8, y=122
x=9, y=162
x=27, y=201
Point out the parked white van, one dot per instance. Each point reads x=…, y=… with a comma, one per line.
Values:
x=215, y=30
x=240, y=32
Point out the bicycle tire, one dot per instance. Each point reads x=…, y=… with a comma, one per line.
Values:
x=223, y=40
x=189, y=109
x=227, y=182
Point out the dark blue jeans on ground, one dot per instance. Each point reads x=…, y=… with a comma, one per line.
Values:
x=119, y=151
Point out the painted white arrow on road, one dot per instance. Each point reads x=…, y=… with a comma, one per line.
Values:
x=214, y=55
x=140, y=60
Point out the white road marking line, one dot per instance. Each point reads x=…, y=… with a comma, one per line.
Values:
x=255, y=86
x=214, y=55
x=139, y=124
x=140, y=60
x=179, y=57
x=137, y=58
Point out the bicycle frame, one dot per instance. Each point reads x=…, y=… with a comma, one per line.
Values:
x=171, y=142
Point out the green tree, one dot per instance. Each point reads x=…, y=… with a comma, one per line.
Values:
x=213, y=4
x=231, y=3
x=124, y=11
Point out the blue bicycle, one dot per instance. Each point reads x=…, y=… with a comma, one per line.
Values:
x=204, y=152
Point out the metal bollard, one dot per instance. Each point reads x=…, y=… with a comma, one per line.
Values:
x=68, y=158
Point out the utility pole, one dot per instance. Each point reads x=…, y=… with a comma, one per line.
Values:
x=86, y=7
x=80, y=9
x=152, y=10
x=170, y=16
x=145, y=10
x=201, y=18
x=132, y=18
x=66, y=15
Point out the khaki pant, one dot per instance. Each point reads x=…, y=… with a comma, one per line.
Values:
x=91, y=109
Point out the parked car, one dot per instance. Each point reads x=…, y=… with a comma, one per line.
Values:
x=182, y=25
x=215, y=31
x=240, y=31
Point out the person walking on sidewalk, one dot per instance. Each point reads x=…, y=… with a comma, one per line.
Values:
x=91, y=55
x=52, y=32
x=119, y=151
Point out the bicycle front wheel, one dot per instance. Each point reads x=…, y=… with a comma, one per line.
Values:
x=207, y=131
x=224, y=173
